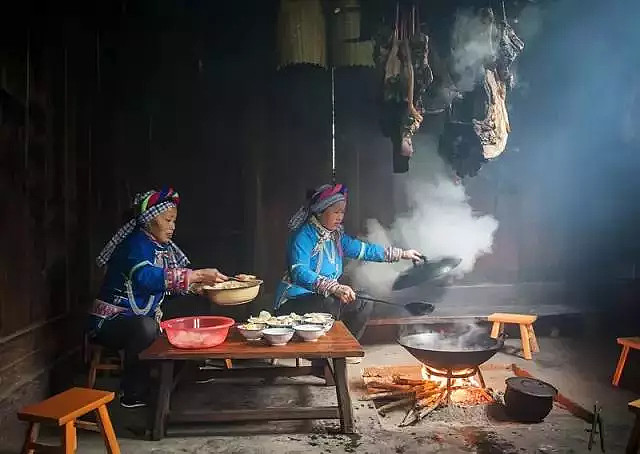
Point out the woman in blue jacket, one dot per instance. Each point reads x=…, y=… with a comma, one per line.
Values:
x=144, y=266
x=315, y=253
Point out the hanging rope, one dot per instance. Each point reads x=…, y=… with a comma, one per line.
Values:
x=333, y=127
x=504, y=12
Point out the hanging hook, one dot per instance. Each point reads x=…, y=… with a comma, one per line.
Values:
x=333, y=128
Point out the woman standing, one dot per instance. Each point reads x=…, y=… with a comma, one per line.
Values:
x=144, y=266
x=315, y=253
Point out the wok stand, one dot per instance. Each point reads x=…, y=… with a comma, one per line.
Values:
x=451, y=374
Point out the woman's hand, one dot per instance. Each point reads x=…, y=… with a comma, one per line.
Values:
x=207, y=276
x=345, y=294
x=412, y=254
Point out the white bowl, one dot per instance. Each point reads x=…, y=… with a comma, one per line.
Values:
x=328, y=325
x=278, y=336
x=310, y=333
x=251, y=334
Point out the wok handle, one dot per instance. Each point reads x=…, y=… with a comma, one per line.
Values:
x=423, y=258
x=373, y=300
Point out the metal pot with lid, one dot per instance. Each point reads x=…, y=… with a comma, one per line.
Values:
x=528, y=399
x=425, y=270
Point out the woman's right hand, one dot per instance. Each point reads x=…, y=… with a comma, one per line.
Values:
x=345, y=294
x=207, y=276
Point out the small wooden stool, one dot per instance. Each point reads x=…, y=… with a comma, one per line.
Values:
x=62, y=410
x=101, y=359
x=627, y=343
x=527, y=335
x=633, y=445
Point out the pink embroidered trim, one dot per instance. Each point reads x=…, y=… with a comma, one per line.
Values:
x=177, y=279
x=324, y=286
x=104, y=310
x=392, y=254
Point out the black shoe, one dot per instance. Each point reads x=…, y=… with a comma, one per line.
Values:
x=132, y=402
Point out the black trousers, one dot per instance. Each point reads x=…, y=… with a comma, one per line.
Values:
x=133, y=335
x=354, y=315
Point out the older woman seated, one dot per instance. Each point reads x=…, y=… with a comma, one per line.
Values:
x=314, y=261
x=144, y=266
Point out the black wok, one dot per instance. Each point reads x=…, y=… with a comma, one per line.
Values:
x=453, y=350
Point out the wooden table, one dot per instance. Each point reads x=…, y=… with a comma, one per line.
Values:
x=334, y=348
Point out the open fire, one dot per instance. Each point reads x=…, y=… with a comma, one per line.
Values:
x=423, y=389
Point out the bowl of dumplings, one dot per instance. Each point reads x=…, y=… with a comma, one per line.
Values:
x=243, y=289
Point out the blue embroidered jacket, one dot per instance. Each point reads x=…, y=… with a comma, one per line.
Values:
x=315, y=256
x=136, y=278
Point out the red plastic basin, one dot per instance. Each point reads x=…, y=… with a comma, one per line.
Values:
x=197, y=332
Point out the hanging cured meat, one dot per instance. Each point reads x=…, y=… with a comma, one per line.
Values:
x=484, y=112
x=402, y=57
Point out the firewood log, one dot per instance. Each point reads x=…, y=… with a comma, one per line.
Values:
x=387, y=395
x=391, y=405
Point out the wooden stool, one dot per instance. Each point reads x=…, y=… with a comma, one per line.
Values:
x=633, y=445
x=527, y=335
x=62, y=410
x=101, y=359
x=627, y=343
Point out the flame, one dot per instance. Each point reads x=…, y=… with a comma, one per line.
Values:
x=461, y=388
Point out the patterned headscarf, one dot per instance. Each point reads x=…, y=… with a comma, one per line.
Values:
x=147, y=206
x=318, y=200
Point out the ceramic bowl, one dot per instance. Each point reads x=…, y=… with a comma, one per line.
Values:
x=278, y=336
x=310, y=333
x=253, y=333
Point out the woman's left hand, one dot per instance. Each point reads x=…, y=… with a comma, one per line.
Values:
x=412, y=254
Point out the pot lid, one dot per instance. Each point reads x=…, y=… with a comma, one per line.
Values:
x=424, y=271
x=531, y=387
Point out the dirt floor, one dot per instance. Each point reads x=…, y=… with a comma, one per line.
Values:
x=580, y=367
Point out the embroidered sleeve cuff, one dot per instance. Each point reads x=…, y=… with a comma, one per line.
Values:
x=177, y=279
x=324, y=286
x=392, y=254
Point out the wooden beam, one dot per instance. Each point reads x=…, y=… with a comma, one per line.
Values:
x=265, y=414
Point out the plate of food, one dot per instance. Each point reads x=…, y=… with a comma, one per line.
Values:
x=241, y=290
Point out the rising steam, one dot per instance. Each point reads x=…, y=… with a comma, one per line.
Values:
x=439, y=222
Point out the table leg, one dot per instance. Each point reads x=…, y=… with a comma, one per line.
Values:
x=328, y=374
x=342, y=391
x=163, y=400
x=106, y=429
x=31, y=438
x=69, y=441
x=620, y=366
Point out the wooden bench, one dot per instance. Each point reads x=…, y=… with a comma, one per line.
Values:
x=633, y=445
x=627, y=343
x=527, y=335
x=63, y=410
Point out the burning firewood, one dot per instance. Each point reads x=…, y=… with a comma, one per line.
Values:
x=390, y=386
x=387, y=395
x=422, y=392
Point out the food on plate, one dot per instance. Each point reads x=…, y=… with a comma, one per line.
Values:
x=231, y=285
x=262, y=317
x=253, y=326
x=318, y=319
x=291, y=319
x=246, y=277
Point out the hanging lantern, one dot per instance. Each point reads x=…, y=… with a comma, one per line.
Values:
x=301, y=33
x=346, y=46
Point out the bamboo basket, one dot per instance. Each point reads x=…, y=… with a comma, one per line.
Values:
x=346, y=50
x=301, y=33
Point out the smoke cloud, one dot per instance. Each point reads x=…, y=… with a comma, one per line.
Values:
x=439, y=222
x=474, y=40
